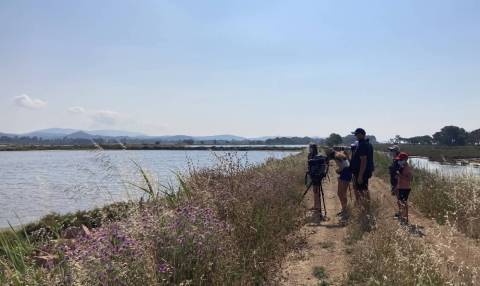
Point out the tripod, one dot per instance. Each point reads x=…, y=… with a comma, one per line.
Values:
x=318, y=191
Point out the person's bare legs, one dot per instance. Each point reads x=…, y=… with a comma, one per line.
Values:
x=356, y=193
x=342, y=194
x=404, y=210
x=399, y=204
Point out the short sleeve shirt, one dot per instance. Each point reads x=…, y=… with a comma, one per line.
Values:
x=364, y=148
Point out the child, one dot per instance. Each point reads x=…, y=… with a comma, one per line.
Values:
x=404, y=186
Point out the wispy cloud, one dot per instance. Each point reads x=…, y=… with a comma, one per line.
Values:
x=109, y=119
x=106, y=117
x=76, y=110
x=27, y=102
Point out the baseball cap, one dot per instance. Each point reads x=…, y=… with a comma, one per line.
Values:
x=359, y=131
x=402, y=156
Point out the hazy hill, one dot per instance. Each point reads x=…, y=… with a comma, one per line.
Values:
x=6, y=135
x=220, y=138
x=50, y=133
x=80, y=135
x=116, y=133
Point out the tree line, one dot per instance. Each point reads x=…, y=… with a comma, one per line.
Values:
x=337, y=139
x=448, y=135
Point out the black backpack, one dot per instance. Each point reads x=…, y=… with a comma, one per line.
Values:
x=317, y=169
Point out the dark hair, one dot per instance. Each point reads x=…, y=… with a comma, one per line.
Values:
x=313, y=151
x=331, y=154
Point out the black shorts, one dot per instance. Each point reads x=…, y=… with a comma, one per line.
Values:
x=363, y=186
x=402, y=195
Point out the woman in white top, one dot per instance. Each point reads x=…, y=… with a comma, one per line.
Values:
x=345, y=176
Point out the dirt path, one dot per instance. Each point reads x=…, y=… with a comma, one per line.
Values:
x=324, y=252
x=325, y=249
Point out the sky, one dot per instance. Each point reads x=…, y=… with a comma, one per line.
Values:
x=250, y=68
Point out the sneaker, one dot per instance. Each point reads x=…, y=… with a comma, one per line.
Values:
x=396, y=215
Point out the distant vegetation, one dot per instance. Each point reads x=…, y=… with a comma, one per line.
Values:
x=448, y=135
x=336, y=139
x=438, y=153
x=293, y=141
x=84, y=139
x=449, y=144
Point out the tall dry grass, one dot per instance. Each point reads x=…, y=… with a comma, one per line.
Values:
x=227, y=225
x=394, y=255
x=391, y=256
x=453, y=199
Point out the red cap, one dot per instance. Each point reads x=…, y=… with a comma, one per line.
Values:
x=402, y=156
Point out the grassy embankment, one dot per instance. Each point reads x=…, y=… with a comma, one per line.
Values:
x=438, y=153
x=227, y=225
x=386, y=254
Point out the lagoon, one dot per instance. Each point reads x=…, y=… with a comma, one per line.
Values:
x=444, y=169
x=35, y=183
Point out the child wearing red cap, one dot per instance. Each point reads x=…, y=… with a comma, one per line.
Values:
x=405, y=177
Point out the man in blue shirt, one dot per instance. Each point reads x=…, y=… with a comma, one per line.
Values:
x=362, y=165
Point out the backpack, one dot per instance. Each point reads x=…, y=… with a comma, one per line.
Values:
x=317, y=169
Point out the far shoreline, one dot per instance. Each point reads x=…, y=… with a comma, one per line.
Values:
x=17, y=148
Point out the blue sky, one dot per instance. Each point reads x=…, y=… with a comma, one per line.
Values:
x=249, y=68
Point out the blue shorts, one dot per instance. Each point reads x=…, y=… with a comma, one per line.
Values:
x=345, y=175
x=403, y=195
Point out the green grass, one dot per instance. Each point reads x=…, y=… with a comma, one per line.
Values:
x=319, y=272
x=327, y=244
x=437, y=152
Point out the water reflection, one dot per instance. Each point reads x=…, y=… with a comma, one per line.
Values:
x=445, y=169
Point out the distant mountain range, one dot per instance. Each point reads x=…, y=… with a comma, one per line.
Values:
x=60, y=133
x=75, y=136
x=52, y=133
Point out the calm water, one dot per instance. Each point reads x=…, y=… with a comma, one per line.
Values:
x=35, y=183
x=446, y=169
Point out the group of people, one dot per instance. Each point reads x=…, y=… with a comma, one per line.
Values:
x=355, y=167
